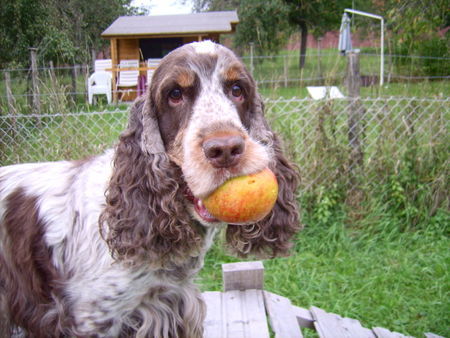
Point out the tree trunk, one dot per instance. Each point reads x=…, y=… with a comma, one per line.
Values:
x=303, y=43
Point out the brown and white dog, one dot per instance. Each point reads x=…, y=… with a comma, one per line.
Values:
x=109, y=246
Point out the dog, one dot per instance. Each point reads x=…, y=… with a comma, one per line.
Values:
x=109, y=246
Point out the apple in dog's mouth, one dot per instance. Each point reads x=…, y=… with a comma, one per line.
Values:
x=242, y=199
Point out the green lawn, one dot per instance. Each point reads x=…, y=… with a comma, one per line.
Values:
x=384, y=261
x=371, y=271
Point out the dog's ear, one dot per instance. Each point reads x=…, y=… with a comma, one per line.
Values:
x=144, y=217
x=271, y=236
x=151, y=141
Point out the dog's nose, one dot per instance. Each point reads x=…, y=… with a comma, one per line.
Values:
x=224, y=151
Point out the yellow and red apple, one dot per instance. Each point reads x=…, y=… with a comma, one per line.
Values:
x=244, y=199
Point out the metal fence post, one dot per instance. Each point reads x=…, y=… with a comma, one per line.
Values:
x=252, y=67
x=36, y=103
x=355, y=116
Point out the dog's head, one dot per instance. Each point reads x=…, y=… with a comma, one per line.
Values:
x=200, y=123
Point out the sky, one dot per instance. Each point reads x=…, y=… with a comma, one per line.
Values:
x=164, y=7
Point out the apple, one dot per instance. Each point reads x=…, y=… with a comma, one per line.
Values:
x=244, y=199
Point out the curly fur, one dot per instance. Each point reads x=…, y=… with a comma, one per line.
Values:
x=110, y=246
x=145, y=213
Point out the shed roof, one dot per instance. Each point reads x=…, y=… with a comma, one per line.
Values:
x=209, y=22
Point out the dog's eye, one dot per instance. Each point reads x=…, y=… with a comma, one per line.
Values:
x=236, y=90
x=176, y=95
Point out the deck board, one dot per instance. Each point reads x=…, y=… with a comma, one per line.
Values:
x=245, y=310
x=235, y=314
x=214, y=318
x=282, y=317
x=330, y=325
x=381, y=332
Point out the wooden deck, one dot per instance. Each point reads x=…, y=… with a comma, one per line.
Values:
x=245, y=310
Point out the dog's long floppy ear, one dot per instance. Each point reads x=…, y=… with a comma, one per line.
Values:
x=144, y=217
x=272, y=236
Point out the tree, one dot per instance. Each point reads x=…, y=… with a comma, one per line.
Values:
x=262, y=22
x=317, y=16
x=63, y=31
x=270, y=22
x=213, y=5
x=415, y=30
x=412, y=21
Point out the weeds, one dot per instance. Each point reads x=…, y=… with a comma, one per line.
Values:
x=377, y=252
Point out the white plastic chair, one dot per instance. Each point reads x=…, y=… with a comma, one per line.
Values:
x=152, y=64
x=99, y=83
x=128, y=78
x=322, y=92
x=101, y=65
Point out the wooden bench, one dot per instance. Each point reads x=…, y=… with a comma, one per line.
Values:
x=243, y=308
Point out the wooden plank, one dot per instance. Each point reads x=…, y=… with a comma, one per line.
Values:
x=115, y=62
x=234, y=316
x=243, y=276
x=304, y=317
x=381, y=332
x=282, y=318
x=432, y=335
x=213, y=321
x=330, y=325
x=255, y=314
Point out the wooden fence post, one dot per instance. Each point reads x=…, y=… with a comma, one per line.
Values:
x=243, y=276
x=11, y=102
x=9, y=95
x=51, y=72
x=319, y=59
x=36, y=103
x=93, y=57
x=355, y=117
x=74, y=82
x=285, y=70
x=86, y=79
x=252, y=66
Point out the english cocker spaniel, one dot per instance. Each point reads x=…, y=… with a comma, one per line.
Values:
x=109, y=246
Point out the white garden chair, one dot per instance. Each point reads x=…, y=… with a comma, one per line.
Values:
x=101, y=65
x=151, y=64
x=99, y=83
x=128, y=78
x=322, y=92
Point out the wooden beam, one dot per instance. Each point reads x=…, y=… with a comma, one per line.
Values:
x=243, y=276
x=385, y=333
x=281, y=315
x=330, y=325
x=236, y=314
x=115, y=62
x=304, y=317
x=214, y=320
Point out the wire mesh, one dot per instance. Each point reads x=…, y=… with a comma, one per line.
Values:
x=317, y=135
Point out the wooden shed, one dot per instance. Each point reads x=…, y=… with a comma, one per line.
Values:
x=152, y=37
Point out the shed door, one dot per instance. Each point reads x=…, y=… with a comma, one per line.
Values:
x=158, y=47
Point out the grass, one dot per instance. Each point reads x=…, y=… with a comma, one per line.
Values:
x=383, y=260
x=48, y=138
x=424, y=89
x=373, y=272
x=331, y=67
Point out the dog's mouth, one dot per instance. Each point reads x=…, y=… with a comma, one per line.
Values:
x=199, y=208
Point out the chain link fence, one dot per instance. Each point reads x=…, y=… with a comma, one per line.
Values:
x=334, y=142
x=39, y=88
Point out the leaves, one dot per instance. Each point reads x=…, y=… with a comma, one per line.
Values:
x=64, y=31
x=263, y=23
